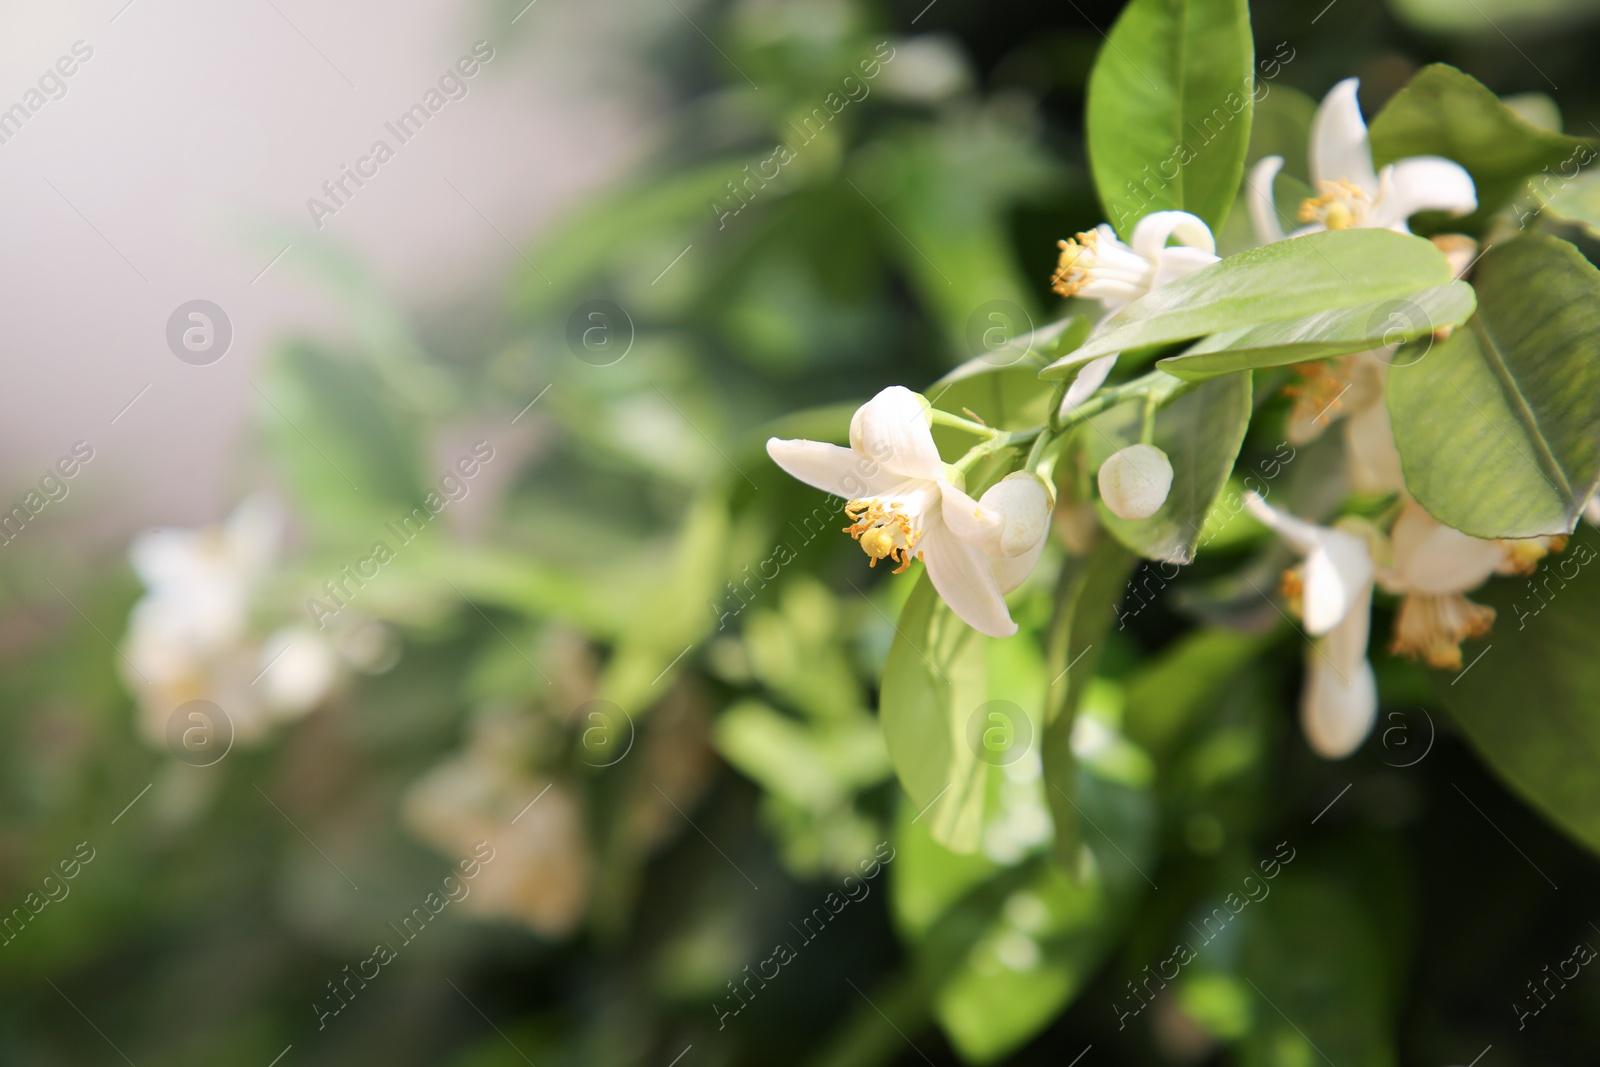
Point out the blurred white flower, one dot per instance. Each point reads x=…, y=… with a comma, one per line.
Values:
x=1433, y=567
x=1428, y=565
x=1351, y=194
x=1332, y=593
x=1350, y=388
x=542, y=868
x=190, y=636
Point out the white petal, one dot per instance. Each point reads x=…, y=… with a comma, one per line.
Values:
x=892, y=428
x=1023, y=502
x=298, y=668
x=1338, y=575
x=253, y=532
x=1591, y=511
x=1373, y=460
x=1422, y=183
x=832, y=469
x=1011, y=571
x=164, y=558
x=969, y=520
x=1337, y=713
x=1340, y=699
x=1175, y=263
x=1263, y=208
x=1339, y=147
x=1091, y=377
x=1151, y=234
x=960, y=572
x=1338, y=571
x=1432, y=558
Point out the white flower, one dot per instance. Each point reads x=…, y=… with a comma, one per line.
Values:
x=297, y=669
x=1434, y=565
x=1350, y=387
x=190, y=637
x=1333, y=589
x=1428, y=565
x=1135, y=481
x=1354, y=386
x=904, y=506
x=1350, y=193
x=1098, y=266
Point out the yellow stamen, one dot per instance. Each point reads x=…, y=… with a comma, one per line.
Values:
x=1523, y=554
x=1292, y=587
x=1340, y=206
x=1320, y=389
x=1072, y=270
x=1432, y=628
x=884, y=533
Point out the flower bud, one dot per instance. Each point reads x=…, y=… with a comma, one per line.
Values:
x=1135, y=481
x=1023, y=501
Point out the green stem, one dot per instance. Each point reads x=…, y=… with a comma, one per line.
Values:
x=1000, y=442
x=944, y=418
x=1147, y=431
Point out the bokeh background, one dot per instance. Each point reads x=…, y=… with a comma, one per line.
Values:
x=534, y=357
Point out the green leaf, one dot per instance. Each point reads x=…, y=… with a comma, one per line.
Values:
x=1040, y=951
x=1087, y=594
x=1443, y=112
x=351, y=457
x=1169, y=108
x=1201, y=433
x=1329, y=333
x=935, y=705
x=1002, y=386
x=1532, y=705
x=1498, y=427
x=1574, y=199
x=1317, y=964
x=1168, y=696
x=1287, y=280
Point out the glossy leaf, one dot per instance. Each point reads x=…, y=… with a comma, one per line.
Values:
x=1040, y=951
x=1499, y=426
x=1531, y=705
x=1087, y=595
x=1575, y=199
x=1288, y=280
x=1002, y=386
x=1201, y=433
x=1330, y=333
x=1169, y=109
x=1315, y=970
x=940, y=675
x=1443, y=112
